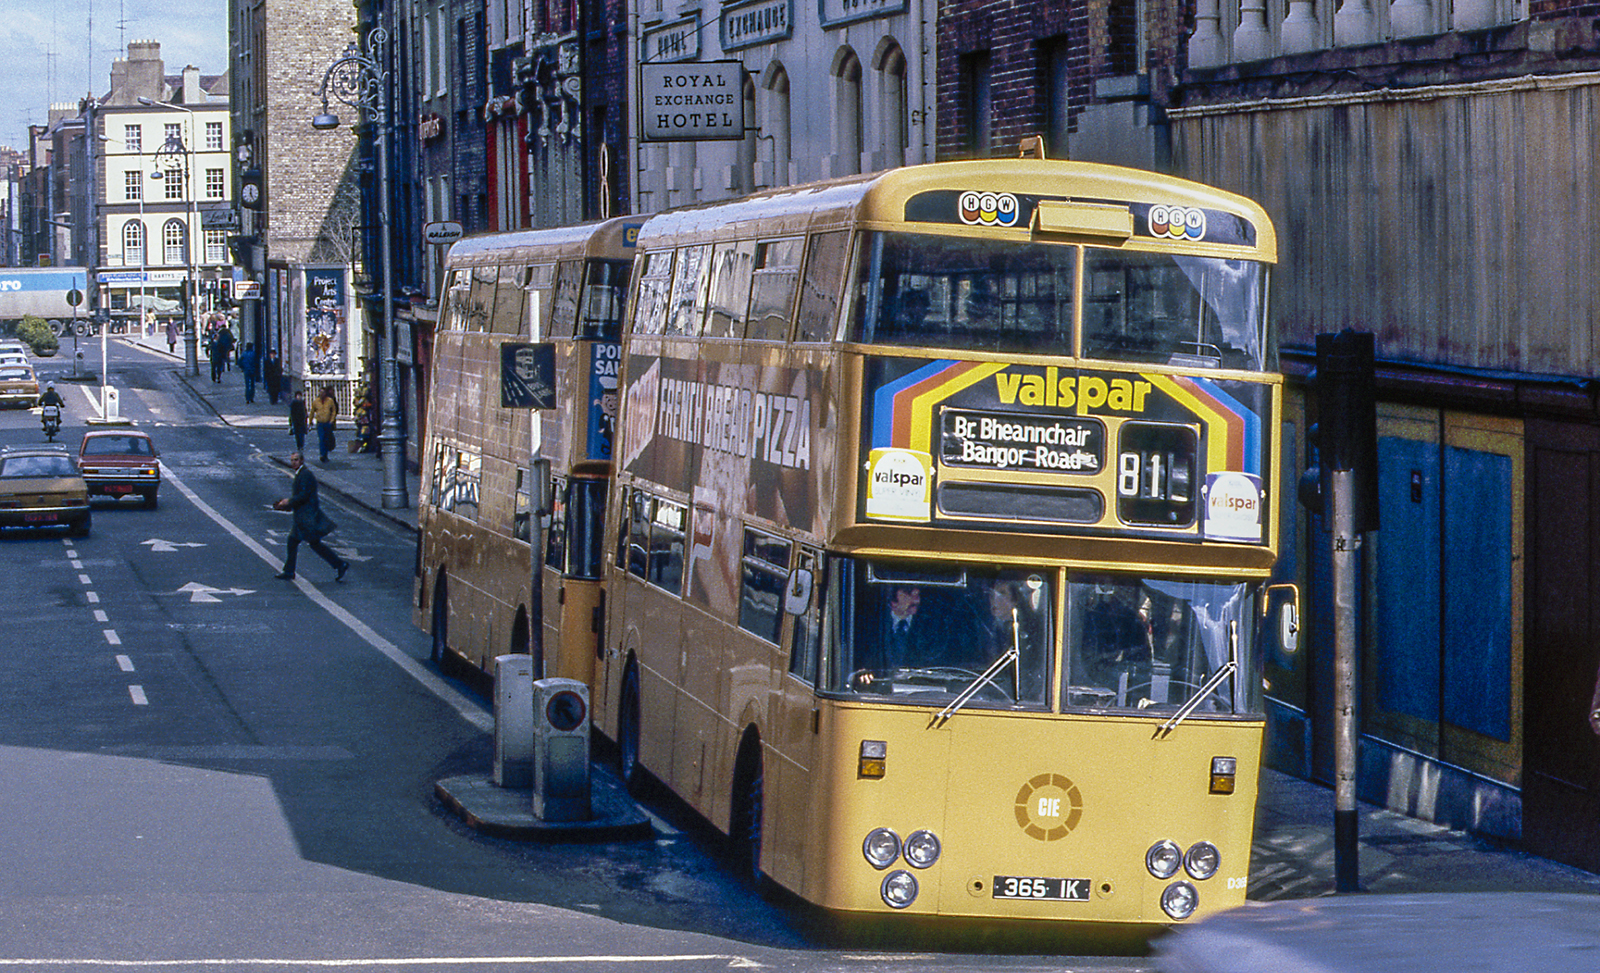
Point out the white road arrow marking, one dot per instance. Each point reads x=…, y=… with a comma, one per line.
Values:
x=159, y=546
x=205, y=593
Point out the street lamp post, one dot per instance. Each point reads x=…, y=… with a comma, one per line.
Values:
x=359, y=79
x=171, y=149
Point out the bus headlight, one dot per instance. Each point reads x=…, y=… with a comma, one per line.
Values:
x=922, y=849
x=882, y=847
x=1179, y=900
x=1163, y=858
x=899, y=889
x=1202, y=859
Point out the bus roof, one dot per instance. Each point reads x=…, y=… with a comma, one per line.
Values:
x=882, y=198
x=606, y=238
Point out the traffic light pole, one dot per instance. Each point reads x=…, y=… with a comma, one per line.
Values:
x=1346, y=725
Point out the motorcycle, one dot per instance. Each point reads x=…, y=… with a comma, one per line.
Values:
x=50, y=419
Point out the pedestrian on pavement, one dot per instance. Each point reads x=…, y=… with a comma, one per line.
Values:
x=325, y=413
x=225, y=345
x=310, y=523
x=297, y=420
x=172, y=336
x=214, y=353
x=272, y=374
x=247, y=368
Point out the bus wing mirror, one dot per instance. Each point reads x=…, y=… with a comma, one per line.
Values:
x=1288, y=617
x=797, y=594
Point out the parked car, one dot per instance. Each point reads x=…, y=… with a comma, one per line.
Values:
x=120, y=463
x=18, y=386
x=41, y=487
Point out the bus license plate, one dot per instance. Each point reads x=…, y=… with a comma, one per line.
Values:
x=1034, y=887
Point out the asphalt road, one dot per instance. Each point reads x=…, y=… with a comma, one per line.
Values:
x=207, y=767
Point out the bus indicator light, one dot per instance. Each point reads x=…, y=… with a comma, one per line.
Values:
x=874, y=759
x=1223, y=770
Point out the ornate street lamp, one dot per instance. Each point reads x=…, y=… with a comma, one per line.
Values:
x=173, y=149
x=359, y=78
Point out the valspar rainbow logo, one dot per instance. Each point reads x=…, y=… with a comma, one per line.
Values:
x=1178, y=222
x=988, y=209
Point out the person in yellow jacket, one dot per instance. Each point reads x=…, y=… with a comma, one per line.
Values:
x=325, y=412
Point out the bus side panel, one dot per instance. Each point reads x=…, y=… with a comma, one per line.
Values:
x=700, y=742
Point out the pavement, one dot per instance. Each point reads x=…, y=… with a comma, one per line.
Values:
x=1293, y=856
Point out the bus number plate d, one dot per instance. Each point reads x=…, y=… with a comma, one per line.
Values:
x=1033, y=887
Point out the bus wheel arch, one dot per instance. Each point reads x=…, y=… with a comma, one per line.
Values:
x=747, y=808
x=521, y=633
x=440, y=615
x=628, y=726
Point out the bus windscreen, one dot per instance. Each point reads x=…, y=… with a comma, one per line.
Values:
x=1001, y=296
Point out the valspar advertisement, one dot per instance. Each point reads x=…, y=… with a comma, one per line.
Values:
x=958, y=443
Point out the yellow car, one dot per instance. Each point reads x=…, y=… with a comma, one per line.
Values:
x=18, y=386
x=41, y=487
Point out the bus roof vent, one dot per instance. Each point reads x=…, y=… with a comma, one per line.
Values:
x=1072, y=218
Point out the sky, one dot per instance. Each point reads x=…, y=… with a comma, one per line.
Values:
x=44, y=58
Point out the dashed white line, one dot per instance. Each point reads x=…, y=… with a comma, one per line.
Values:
x=100, y=615
x=94, y=597
x=137, y=692
x=84, y=579
x=112, y=637
x=124, y=663
x=77, y=565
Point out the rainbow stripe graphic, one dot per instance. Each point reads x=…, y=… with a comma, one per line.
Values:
x=902, y=410
x=1233, y=431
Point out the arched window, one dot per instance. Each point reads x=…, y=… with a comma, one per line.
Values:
x=132, y=243
x=892, y=110
x=776, y=123
x=173, y=243
x=744, y=169
x=846, y=113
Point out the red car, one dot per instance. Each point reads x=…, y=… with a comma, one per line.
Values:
x=120, y=463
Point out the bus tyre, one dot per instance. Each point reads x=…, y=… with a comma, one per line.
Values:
x=628, y=730
x=745, y=827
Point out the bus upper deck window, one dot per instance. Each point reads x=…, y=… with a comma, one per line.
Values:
x=1173, y=309
x=772, y=287
x=963, y=293
x=604, y=294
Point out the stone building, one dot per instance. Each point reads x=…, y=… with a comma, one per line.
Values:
x=302, y=246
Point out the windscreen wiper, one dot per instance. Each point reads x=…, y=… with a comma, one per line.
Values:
x=1228, y=669
x=985, y=677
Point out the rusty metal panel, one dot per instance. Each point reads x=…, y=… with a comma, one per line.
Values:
x=1459, y=228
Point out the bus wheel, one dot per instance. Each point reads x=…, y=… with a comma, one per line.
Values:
x=628, y=730
x=745, y=827
x=441, y=622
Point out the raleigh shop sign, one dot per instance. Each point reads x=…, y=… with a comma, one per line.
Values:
x=692, y=101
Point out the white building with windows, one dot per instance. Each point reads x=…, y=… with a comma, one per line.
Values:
x=163, y=164
x=832, y=88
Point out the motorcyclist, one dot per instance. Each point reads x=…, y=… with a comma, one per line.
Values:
x=52, y=397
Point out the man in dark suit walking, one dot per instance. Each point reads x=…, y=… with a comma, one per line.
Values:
x=310, y=523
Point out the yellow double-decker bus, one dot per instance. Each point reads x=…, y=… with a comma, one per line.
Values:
x=566, y=287
x=942, y=536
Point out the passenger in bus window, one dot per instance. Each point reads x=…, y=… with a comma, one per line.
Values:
x=1116, y=634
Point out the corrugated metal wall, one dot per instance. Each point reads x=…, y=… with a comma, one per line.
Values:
x=1456, y=222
